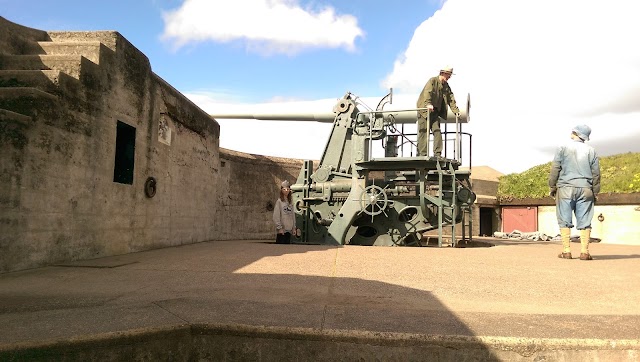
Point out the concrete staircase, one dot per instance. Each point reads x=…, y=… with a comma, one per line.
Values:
x=41, y=72
x=71, y=104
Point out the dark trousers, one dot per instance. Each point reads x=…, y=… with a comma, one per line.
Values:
x=283, y=238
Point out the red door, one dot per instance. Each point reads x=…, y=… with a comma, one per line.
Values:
x=522, y=218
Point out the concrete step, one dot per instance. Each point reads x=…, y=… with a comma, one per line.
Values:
x=50, y=81
x=70, y=64
x=47, y=108
x=108, y=38
x=16, y=92
x=10, y=116
x=13, y=138
x=29, y=101
x=89, y=49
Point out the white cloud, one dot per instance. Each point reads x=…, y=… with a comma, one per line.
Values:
x=265, y=26
x=534, y=69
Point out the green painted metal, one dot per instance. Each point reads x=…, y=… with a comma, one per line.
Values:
x=352, y=198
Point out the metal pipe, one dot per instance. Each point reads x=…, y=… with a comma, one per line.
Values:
x=342, y=186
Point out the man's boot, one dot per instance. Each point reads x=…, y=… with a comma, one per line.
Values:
x=585, y=238
x=565, y=236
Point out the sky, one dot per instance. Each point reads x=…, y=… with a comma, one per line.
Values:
x=533, y=68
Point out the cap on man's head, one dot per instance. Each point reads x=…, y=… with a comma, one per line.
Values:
x=284, y=184
x=448, y=69
x=583, y=131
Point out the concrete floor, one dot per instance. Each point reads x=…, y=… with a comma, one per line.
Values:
x=514, y=291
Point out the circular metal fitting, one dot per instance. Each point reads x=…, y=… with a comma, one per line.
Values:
x=150, y=187
x=373, y=200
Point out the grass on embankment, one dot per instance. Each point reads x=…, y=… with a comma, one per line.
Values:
x=619, y=174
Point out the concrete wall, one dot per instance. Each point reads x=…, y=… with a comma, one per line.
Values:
x=250, y=184
x=486, y=188
x=62, y=95
x=484, y=181
x=621, y=213
x=619, y=223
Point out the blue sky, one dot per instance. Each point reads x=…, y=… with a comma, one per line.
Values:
x=231, y=67
x=534, y=68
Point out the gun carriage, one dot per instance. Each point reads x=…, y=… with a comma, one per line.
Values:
x=354, y=198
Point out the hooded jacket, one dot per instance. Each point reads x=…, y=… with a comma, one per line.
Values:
x=283, y=216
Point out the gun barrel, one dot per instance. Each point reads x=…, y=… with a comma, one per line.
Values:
x=400, y=115
x=306, y=117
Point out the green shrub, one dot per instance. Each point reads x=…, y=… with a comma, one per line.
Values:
x=619, y=174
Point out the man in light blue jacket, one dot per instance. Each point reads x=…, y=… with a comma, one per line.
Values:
x=574, y=181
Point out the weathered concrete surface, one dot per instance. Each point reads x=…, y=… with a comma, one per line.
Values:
x=62, y=95
x=252, y=300
x=58, y=200
x=248, y=189
x=612, y=224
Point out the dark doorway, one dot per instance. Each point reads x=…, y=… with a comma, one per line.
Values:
x=486, y=221
x=125, y=153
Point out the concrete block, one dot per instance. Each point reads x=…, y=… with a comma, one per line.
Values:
x=88, y=49
x=69, y=64
x=50, y=81
x=8, y=117
x=108, y=38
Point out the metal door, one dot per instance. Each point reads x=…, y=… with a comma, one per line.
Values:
x=521, y=218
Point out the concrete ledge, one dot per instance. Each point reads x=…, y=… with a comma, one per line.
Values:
x=50, y=81
x=250, y=158
x=69, y=64
x=25, y=92
x=242, y=342
x=90, y=49
x=171, y=343
x=106, y=37
x=9, y=116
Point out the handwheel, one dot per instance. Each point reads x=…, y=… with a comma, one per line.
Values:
x=373, y=200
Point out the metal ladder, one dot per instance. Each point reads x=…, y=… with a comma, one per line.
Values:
x=442, y=173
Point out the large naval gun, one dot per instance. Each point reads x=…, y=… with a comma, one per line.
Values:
x=354, y=198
